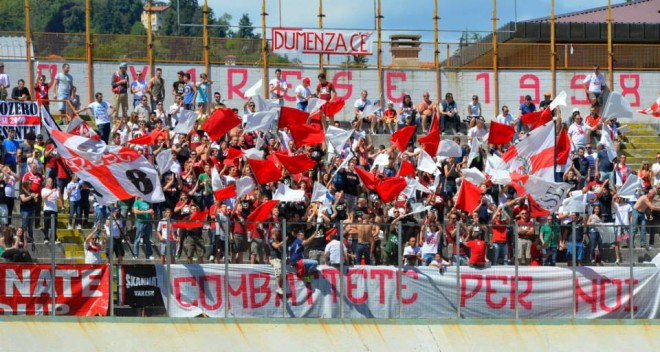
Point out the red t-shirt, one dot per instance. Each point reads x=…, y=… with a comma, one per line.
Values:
x=324, y=91
x=537, y=256
x=477, y=252
x=450, y=230
x=524, y=226
x=499, y=231
x=36, y=181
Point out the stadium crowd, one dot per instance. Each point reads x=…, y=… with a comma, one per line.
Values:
x=438, y=235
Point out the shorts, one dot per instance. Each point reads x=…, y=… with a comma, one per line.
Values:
x=257, y=246
x=524, y=245
x=162, y=247
x=193, y=246
x=240, y=243
x=277, y=266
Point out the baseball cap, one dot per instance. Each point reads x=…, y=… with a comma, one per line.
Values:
x=376, y=101
x=547, y=94
x=306, y=80
x=123, y=65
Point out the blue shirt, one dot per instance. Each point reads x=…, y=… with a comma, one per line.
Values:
x=296, y=249
x=10, y=146
x=527, y=109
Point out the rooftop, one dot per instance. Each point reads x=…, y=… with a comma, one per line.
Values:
x=639, y=11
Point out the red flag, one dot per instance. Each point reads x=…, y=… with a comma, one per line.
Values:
x=537, y=118
x=232, y=154
x=368, y=179
x=653, y=110
x=431, y=141
x=260, y=214
x=264, y=171
x=519, y=189
x=147, y=139
x=563, y=147
x=500, y=133
x=535, y=209
x=306, y=135
x=390, y=189
x=220, y=122
x=296, y=164
x=401, y=137
x=195, y=220
x=333, y=107
x=469, y=197
x=407, y=168
x=278, y=164
x=225, y=193
x=291, y=117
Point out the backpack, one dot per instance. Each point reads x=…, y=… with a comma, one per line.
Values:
x=392, y=245
x=116, y=78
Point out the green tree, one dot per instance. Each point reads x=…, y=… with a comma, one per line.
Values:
x=246, y=28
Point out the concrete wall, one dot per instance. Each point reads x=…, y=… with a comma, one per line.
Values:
x=161, y=334
x=639, y=87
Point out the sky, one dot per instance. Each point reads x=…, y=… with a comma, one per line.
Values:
x=415, y=15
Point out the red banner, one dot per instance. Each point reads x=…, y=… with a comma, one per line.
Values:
x=81, y=290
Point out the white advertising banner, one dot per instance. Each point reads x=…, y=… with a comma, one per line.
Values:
x=371, y=292
x=319, y=41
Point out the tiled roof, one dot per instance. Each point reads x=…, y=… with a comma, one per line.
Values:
x=158, y=8
x=639, y=11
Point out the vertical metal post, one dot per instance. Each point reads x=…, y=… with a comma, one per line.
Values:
x=516, y=268
x=496, y=78
x=341, y=272
x=553, y=52
x=610, y=54
x=630, y=259
x=110, y=264
x=284, y=282
x=205, y=36
x=399, y=264
x=226, y=262
x=53, y=269
x=264, y=47
x=150, y=44
x=574, y=269
x=28, y=45
x=447, y=65
x=88, y=45
x=379, y=54
x=321, y=15
x=168, y=263
x=457, y=256
x=436, y=52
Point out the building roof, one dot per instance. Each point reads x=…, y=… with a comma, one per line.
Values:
x=13, y=48
x=638, y=11
x=158, y=8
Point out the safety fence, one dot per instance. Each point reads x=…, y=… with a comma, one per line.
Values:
x=349, y=270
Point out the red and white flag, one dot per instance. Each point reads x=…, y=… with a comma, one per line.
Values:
x=116, y=173
x=79, y=127
x=653, y=110
x=535, y=154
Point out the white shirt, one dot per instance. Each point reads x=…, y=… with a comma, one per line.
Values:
x=431, y=241
x=50, y=197
x=100, y=112
x=578, y=133
x=281, y=86
x=478, y=133
x=655, y=168
x=621, y=212
x=595, y=82
x=175, y=110
x=505, y=119
x=361, y=104
x=304, y=92
x=335, y=250
x=410, y=251
x=4, y=80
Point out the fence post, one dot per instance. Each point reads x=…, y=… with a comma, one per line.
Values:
x=399, y=264
x=516, y=267
x=226, y=260
x=631, y=254
x=574, y=268
x=283, y=274
x=341, y=271
x=168, y=263
x=111, y=247
x=53, y=269
x=457, y=257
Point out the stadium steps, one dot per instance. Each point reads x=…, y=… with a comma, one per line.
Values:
x=641, y=144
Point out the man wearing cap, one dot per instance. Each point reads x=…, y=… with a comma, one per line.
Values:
x=594, y=86
x=120, y=84
x=138, y=88
x=4, y=82
x=303, y=93
x=63, y=88
x=545, y=103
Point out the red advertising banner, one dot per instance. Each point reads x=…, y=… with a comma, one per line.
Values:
x=81, y=290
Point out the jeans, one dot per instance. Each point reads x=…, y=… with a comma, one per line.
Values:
x=104, y=131
x=143, y=232
x=100, y=214
x=596, y=241
x=27, y=220
x=500, y=251
x=428, y=258
x=639, y=220
x=551, y=256
x=309, y=265
x=579, y=252
x=363, y=250
x=460, y=259
x=74, y=206
x=457, y=122
x=604, y=175
x=302, y=105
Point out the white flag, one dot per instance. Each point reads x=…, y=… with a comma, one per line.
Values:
x=187, y=119
x=259, y=121
x=254, y=90
x=474, y=150
x=164, y=161
x=474, y=175
x=319, y=192
x=426, y=163
x=244, y=185
x=314, y=105
x=559, y=100
x=418, y=208
x=574, y=204
x=253, y=153
x=370, y=110
x=547, y=194
x=381, y=161
x=449, y=149
x=337, y=137
x=630, y=187
x=261, y=104
x=609, y=144
x=617, y=106
x=216, y=180
x=286, y=194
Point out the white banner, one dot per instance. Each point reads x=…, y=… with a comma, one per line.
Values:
x=319, y=41
x=22, y=117
x=543, y=292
